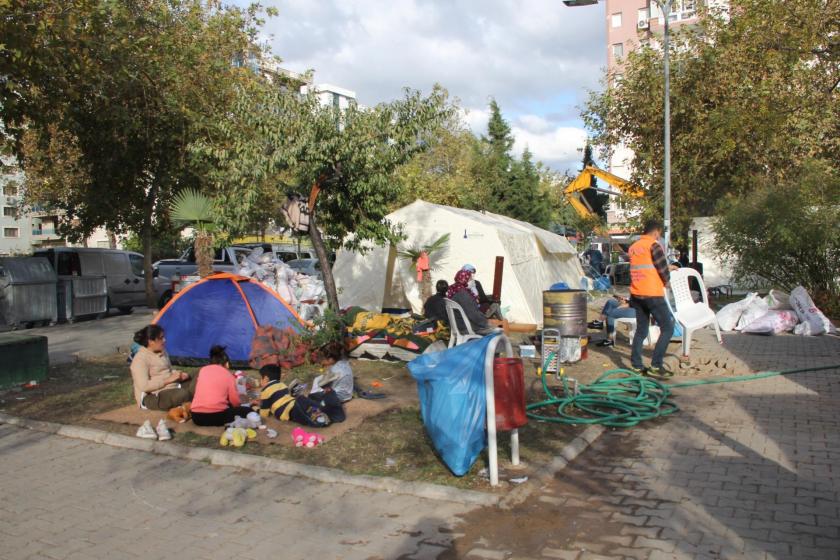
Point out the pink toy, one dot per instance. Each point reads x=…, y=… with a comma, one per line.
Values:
x=302, y=438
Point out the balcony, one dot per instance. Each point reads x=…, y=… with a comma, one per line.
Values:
x=44, y=234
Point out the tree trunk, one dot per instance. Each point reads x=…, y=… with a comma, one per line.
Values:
x=426, y=285
x=204, y=253
x=146, y=234
x=323, y=258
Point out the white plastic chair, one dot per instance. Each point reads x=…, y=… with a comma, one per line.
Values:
x=653, y=331
x=456, y=337
x=690, y=314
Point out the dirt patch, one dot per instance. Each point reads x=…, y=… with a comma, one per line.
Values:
x=392, y=443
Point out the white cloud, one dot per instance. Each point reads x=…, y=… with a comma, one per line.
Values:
x=535, y=57
x=559, y=146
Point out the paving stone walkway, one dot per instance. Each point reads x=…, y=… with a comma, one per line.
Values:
x=744, y=470
x=68, y=499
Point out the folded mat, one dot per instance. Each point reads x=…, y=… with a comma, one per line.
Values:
x=357, y=411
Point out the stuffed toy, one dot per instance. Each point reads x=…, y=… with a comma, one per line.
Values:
x=180, y=414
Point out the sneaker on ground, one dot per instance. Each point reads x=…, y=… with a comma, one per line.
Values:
x=597, y=325
x=146, y=431
x=663, y=371
x=163, y=430
x=640, y=370
x=606, y=342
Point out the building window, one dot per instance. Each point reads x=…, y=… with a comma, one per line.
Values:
x=618, y=50
x=616, y=19
x=11, y=232
x=10, y=190
x=9, y=212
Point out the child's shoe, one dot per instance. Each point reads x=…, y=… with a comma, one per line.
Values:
x=146, y=431
x=162, y=430
x=298, y=436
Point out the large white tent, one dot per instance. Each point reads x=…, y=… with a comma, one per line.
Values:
x=534, y=259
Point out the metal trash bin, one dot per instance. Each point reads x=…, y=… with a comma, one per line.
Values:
x=80, y=296
x=27, y=292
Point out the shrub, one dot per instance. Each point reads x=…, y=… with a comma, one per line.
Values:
x=785, y=235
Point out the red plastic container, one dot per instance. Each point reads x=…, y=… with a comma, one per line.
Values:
x=509, y=384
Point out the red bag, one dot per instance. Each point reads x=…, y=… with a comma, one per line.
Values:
x=509, y=389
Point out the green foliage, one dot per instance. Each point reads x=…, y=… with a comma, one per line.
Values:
x=752, y=96
x=328, y=330
x=786, y=235
x=598, y=202
x=443, y=174
x=190, y=207
x=167, y=243
x=102, y=100
x=513, y=188
x=431, y=249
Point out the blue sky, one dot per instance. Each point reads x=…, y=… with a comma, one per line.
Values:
x=538, y=58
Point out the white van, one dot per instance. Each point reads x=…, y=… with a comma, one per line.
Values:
x=123, y=269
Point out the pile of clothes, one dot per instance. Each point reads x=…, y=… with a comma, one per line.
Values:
x=377, y=334
x=306, y=294
x=776, y=313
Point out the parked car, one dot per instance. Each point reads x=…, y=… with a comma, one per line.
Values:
x=122, y=269
x=310, y=267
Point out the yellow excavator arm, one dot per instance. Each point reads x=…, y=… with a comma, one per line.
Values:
x=583, y=182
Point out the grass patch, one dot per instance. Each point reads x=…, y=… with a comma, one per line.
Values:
x=393, y=443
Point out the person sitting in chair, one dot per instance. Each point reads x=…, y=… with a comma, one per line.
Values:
x=617, y=307
x=459, y=292
x=435, y=308
x=489, y=306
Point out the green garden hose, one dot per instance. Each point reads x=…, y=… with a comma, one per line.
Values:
x=623, y=398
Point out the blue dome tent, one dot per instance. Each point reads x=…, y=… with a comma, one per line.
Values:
x=221, y=309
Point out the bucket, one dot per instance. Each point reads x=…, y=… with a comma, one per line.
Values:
x=565, y=311
x=509, y=391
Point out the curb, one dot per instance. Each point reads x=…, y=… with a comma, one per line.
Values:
x=557, y=464
x=257, y=463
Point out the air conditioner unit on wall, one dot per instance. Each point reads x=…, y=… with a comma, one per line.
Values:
x=643, y=24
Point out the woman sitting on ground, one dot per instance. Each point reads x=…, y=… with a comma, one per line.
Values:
x=156, y=385
x=460, y=293
x=216, y=401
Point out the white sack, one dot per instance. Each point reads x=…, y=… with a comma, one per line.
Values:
x=775, y=321
x=728, y=316
x=756, y=308
x=813, y=320
x=778, y=299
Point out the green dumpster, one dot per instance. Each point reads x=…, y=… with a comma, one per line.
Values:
x=23, y=358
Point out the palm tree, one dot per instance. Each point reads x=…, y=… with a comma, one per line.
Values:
x=193, y=208
x=413, y=254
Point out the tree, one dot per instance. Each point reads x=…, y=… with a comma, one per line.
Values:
x=190, y=207
x=753, y=96
x=787, y=237
x=443, y=174
x=430, y=250
x=597, y=201
x=103, y=99
x=347, y=159
x=512, y=187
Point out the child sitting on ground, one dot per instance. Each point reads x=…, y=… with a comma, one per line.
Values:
x=277, y=400
x=216, y=400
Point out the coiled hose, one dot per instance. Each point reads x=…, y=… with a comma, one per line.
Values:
x=622, y=398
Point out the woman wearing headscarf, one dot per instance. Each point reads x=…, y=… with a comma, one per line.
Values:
x=459, y=292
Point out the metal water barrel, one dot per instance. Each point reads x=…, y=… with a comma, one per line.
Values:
x=565, y=311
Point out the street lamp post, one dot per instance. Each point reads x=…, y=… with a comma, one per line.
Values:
x=665, y=7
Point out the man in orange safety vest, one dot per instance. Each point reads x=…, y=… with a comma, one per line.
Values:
x=649, y=275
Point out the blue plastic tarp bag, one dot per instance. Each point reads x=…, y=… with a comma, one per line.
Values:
x=452, y=402
x=602, y=283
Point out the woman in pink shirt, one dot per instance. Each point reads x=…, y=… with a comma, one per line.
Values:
x=216, y=400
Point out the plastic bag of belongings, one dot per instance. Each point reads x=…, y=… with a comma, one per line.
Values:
x=305, y=293
x=776, y=313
